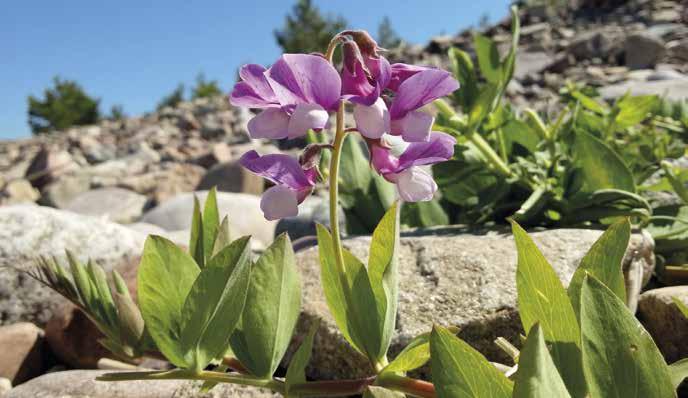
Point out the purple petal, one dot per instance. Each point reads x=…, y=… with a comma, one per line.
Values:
x=355, y=82
x=415, y=185
x=301, y=78
x=366, y=93
x=421, y=89
x=414, y=127
x=372, y=121
x=279, y=202
x=307, y=116
x=400, y=72
x=253, y=91
x=382, y=159
x=278, y=168
x=271, y=123
x=438, y=149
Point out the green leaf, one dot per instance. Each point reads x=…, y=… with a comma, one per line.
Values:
x=681, y=307
x=601, y=167
x=619, y=357
x=196, y=234
x=510, y=61
x=381, y=392
x=603, y=261
x=382, y=270
x=518, y=132
x=211, y=223
x=482, y=106
x=542, y=299
x=589, y=103
x=165, y=277
x=537, y=376
x=296, y=373
x=215, y=304
x=669, y=228
x=131, y=322
x=488, y=59
x=679, y=372
x=463, y=70
x=82, y=281
x=459, y=371
x=413, y=356
x=224, y=237
x=102, y=294
x=633, y=110
x=355, y=171
x=272, y=308
x=424, y=214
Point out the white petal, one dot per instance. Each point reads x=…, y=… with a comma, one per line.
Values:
x=307, y=116
x=414, y=127
x=372, y=121
x=415, y=185
x=279, y=202
x=271, y=123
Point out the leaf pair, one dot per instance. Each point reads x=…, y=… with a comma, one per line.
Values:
x=363, y=301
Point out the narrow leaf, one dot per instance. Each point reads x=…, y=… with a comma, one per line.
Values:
x=211, y=223
x=196, y=235
x=381, y=392
x=679, y=372
x=224, y=237
x=488, y=59
x=296, y=373
x=459, y=371
x=537, y=376
x=681, y=307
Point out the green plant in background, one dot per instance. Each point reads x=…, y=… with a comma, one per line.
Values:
x=205, y=88
x=306, y=30
x=173, y=98
x=64, y=105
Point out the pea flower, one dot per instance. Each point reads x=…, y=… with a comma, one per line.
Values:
x=296, y=94
x=293, y=181
x=413, y=183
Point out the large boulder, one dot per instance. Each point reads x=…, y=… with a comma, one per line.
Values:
x=314, y=210
x=83, y=384
x=30, y=231
x=232, y=177
x=665, y=322
x=166, y=181
x=21, y=352
x=447, y=276
x=114, y=204
x=245, y=216
x=643, y=50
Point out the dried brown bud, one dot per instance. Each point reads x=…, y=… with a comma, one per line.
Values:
x=367, y=45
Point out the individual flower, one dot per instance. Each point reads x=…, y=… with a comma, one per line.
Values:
x=413, y=183
x=296, y=94
x=293, y=182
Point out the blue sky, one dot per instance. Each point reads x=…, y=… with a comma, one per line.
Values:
x=134, y=52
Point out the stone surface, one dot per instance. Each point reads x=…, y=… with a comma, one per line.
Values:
x=165, y=183
x=83, y=384
x=21, y=352
x=675, y=89
x=447, y=276
x=59, y=193
x=73, y=338
x=662, y=318
x=643, y=50
x=47, y=165
x=113, y=204
x=5, y=386
x=313, y=210
x=30, y=231
x=231, y=177
x=531, y=62
x=245, y=216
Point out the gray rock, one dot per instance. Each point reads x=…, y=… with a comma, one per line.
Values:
x=18, y=191
x=83, y=384
x=313, y=210
x=59, y=193
x=447, y=276
x=21, y=352
x=676, y=89
x=531, y=62
x=169, y=180
x=245, y=216
x=597, y=43
x=47, y=164
x=231, y=177
x=643, y=50
x=113, y=204
x=662, y=318
x=30, y=231
x=5, y=385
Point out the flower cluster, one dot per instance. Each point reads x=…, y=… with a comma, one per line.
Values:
x=299, y=92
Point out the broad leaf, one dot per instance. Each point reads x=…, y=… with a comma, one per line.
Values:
x=296, y=373
x=679, y=372
x=619, y=357
x=601, y=167
x=542, y=299
x=603, y=261
x=214, y=305
x=482, y=106
x=272, y=308
x=634, y=109
x=381, y=392
x=463, y=70
x=488, y=59
x=165, y=277
x=537, y=376
x=413, y=356
x=459, y=371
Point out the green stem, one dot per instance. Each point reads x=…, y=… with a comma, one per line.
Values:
x=502, y=144
x=332, y=388
x=483, y=146
x=340, y=134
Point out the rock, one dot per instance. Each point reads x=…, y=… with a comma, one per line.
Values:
x=676, y=89
x=5, y=386
x=531, y=62
x=47, y=164
x=231, y=177
x=147, y=229
x=643, y=50
x=30, y=231
x=446, y=276
x=18, y=191
x=313, y=210
x=245, y=216
x=114, y=204
x=219, y=153
x=21, y=352
x=170, y=180
x=59, y=193
x=83, y=384
x=73, y=338
x=664, y=321
x=597, y=43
